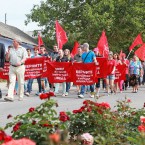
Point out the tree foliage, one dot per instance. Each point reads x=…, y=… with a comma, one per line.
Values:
x=84, y=20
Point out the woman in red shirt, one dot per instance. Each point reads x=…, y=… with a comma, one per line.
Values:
x=111, y=77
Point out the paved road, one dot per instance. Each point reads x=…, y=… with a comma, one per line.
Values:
x=65, y=103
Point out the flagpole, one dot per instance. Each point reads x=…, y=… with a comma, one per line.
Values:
x=129, y=54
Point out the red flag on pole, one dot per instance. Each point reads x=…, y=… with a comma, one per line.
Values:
x=140, y=52
x=120, y=54
x=137, y=41
x=40, y=41
x=103, y=45
x=75, y=49
x=60, y=35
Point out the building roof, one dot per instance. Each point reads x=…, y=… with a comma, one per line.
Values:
x=15, y=33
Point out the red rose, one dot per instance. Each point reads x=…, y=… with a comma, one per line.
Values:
x=105, y=105
x=63, y=117
x=62, y=113
x=128, y=100
x=17, y=126
x=89, y=109
x=75, y=111
x=31, y=109
x=33, y=122
x=51, y=94
x=9, y=116
x=7, y=138
x=47, y=125
x=43, y=96
x=2, y=134
x=46, y=95
x=141, y=128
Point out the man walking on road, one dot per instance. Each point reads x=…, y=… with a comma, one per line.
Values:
x=87, y=57
x=16, y=57
x=2, y=60
x=2, y=56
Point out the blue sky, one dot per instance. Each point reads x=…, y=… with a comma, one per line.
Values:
x=16, y=10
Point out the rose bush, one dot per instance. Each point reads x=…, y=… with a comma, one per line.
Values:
x=92, y=123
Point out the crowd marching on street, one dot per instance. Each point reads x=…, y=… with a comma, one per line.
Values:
x=17, y=55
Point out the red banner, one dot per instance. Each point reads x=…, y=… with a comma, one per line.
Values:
x=34, y=67
x=102, y=67
x=5, y=74
x=84, y=73
x=59, y=72
x=120, y=72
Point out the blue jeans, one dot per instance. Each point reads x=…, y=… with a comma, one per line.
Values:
x=29, y=85
x=67, y=87
x=83, y=89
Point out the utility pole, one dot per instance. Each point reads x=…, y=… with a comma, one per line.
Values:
x=5, y=18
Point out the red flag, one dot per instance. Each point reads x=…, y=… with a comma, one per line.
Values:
x=60, y=35
x=140, y=52
x=40, y=41
x=75, y=49
x=103, y=45
x=137, y=41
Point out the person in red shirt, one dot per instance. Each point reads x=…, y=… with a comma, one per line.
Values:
x=126, y=62
x=116, y=81
x=111, y=75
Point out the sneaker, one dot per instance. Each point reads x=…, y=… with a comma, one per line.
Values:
x=63, y=95
x=66, y=94
x=37, y=94
x=92, y=94
x=56, y=93
x=27, y=94
x=9, y=99
x=81, y=96
x=20, y=99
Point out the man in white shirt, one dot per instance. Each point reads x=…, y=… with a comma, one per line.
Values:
x=17, y=57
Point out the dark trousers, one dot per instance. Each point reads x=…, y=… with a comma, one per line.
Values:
x=67, y=87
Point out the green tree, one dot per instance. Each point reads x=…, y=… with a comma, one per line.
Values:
x=84, y=20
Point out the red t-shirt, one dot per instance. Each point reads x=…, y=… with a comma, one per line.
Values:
x=126, y=62
x=111, y=65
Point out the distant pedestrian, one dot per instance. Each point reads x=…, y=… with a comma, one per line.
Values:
x=2, y=56
x=2, y=60
x=16, y=57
